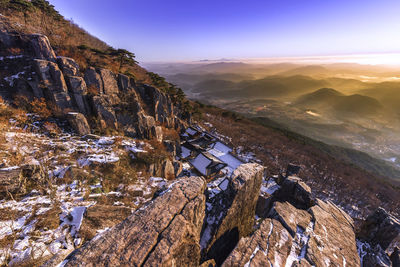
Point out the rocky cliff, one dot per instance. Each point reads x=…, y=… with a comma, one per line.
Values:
x=105, y=99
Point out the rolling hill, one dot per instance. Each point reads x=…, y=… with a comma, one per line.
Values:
x=334, y=102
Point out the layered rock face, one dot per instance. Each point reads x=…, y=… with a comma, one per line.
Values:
x=114, y=100
x=165, y=233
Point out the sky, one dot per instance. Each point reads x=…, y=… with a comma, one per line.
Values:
x=186, y=30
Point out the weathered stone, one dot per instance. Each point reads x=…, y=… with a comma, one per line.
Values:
x=333, y=240
x=110, y=85
x=290, y=217
x=41, y=47
x=160, y=106
x=104, y=110
x=93, y=80
x=78, y=122
x=165, y=233
x=78, y=91
x=76, y=84
x=233, y=216
x=68, y=66
x=144, y=125
x=296, y=192
x=54, y=86
x=125, y=83
x=268, y=246
x=50, y=75
x=168, y=171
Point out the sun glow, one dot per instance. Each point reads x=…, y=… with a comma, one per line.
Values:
x=365, y=59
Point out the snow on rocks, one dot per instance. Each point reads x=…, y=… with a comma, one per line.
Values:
x=62, y=157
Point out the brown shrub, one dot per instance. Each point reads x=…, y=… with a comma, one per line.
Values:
x=39, y=107
x=170, y=134
x=155, y=155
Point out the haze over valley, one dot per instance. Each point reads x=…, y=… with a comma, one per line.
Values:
x=347, y=104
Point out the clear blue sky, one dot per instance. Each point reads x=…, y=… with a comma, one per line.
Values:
x=170, y=30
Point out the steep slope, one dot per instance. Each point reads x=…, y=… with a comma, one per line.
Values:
x=32, y=68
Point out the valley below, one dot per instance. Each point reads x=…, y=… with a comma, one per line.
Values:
x=348, y=105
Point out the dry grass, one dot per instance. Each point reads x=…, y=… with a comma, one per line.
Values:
x=122, y=172
x=152, y=156
x=170, y=134
x=50, y=219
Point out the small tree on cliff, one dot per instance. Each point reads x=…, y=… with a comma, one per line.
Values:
x=123, y=56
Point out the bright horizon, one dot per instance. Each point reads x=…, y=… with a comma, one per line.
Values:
x=178, y=30
x=386, y=59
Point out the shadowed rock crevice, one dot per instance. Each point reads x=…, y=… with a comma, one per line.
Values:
x=231, y=211
x=223, y=246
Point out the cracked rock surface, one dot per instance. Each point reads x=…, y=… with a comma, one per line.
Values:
x=165, y=233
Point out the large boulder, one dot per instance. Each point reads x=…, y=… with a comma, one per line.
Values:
x=158, y=103
x=168, y=171
x=164, y=233
x=41, y=47
x=290, y=217
x=333, y=241
x=78, y=122
x=125, y=83
x=231, y=213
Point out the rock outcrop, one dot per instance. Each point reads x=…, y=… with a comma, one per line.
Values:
x=109, y=99
x=41, y=47
x=299, y=232
x=231, y=213
x=165, y=233
x=380, y=233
